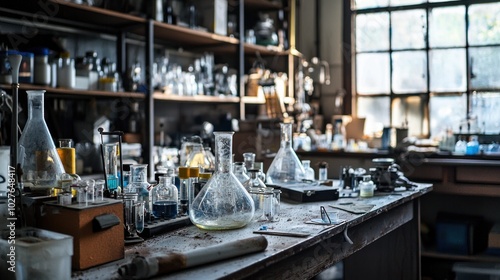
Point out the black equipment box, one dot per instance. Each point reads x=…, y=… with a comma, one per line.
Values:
x=307, y=192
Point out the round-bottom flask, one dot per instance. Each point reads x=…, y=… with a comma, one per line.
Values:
x=223, y=203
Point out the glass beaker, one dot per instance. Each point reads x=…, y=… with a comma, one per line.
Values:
x=308, y=169
x=262, y=196
x=165, y=197
x=111, y=165
x=129, y=209
x=223, y=203
x=37, y=155
x=67, y=154
x=286, y=167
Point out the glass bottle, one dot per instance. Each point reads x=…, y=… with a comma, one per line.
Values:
x=308, y=169
x=187, y=147
x=472, y=147
x=460, y=146
x=165, y=197
x=67, y=154
x=139, y=184
x=37, y=155
x=286, y=167
x=366, y=186
x=183, y=190
x=240, y=172
x=249, y=160
x=223, y=203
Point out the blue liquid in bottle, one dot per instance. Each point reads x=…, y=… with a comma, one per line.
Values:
x=165, y=209
x=112, y=181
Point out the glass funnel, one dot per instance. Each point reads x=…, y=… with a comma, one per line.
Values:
x=286, y=167
x=38, y=156
x=223, y=203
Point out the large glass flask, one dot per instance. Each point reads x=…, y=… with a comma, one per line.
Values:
x=38, y=156
x=286, y=167
x=223, y=203
x=165, y=197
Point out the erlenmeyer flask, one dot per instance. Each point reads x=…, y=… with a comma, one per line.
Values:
x=286, y=167
x=223, y=203
x=38, y=156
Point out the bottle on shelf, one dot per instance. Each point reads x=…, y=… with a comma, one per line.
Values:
x=472, y=147
x=461, y=146
x=66, y=72
x=42, y=68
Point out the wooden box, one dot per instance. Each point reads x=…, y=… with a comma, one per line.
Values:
x=94, y=242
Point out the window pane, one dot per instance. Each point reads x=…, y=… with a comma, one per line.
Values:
x=484, y=24
x=406, y=2
x=447, y=70
x=372, y=32
x=372, y=73
x=485, y=106
x=363, y=4
x=447, y=112
x=408, y=112
x=485, y=62
x=447, y=27
x=409, y=72
x=376, y=111
x=408, y=29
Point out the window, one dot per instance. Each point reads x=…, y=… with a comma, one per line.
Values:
x=430, y=65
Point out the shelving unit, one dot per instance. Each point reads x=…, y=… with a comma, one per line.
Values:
x=65, y=15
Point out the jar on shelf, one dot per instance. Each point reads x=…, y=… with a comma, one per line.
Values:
x=223, y=203
x=42, y=68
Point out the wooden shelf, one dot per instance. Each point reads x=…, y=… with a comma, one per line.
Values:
x=253, y=100
x=430, y=253
x=263, y=4
x=196, y=98
x=77, y=92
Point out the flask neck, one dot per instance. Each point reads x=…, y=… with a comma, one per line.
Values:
x=35, y=103
x=224, y=151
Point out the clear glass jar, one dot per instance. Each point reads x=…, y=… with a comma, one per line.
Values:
x=139, y=184
x=286, y=167
x=38, y=156
x=223, y=203
x=240, y=172
x=165, y=197
x=262, y=196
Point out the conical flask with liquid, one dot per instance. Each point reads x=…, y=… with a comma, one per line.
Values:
x=223, y=203
x=40, y=163
x=286, y=167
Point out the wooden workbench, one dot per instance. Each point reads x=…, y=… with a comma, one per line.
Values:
x=386, y=244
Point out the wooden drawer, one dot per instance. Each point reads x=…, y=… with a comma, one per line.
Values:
x=477, y=174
